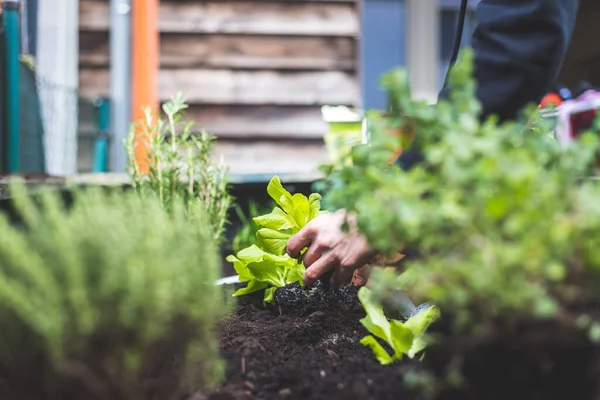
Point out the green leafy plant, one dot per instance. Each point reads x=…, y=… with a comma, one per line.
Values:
x=180, y=163
x=100, y=299
x=404, y=338
x=500, y=218
x=266, y=264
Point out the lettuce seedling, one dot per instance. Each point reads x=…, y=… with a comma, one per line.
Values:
x=293, y=213
x=266, y=265
x=404, y=338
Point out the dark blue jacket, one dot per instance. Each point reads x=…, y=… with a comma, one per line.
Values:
x=519, y=48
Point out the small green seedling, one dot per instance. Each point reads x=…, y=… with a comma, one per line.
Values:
x=404, y=338
x=266, y=265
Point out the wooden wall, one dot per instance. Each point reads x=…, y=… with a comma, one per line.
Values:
x=254, y=72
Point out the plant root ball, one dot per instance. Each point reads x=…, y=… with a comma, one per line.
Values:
x=296, y=301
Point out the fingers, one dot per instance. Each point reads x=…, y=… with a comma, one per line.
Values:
x=325, y=263
x=342, y=275
x=354, y=253
x=300, y=240
x=361, y=275
x=314, y=252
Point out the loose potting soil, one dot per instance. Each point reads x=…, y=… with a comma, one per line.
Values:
x=311, y=352
x=307, y=347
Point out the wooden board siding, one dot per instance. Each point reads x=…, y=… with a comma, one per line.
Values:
x=283, y=17
x=189, y=50
x=254, y=72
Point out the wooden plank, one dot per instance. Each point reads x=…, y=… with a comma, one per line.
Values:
x=274, y=157
x=241, y=87
x=235, y=51
x=241, y=17
x=259, y=121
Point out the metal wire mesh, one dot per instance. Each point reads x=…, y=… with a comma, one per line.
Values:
x=70, y=124
x=58, y=127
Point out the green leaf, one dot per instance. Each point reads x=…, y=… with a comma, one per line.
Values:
x=253, y=286
x=276, y=220
x=314, y=201
x=419, y=323
x=268, y=271
x=418, y=326
x=301, y=211
x=295, y=274
x=252, y=253
x=273, y=241
x=382, y=356
x=281, y=196
x=402, y=338
x=240, y=268
x=419, y=344
x=269, y=295
x=375, y=321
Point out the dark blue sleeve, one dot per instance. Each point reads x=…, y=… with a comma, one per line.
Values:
x=519, y=47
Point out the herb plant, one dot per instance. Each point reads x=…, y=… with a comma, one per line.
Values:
x=499, y=217
x=97, y=298
x=180, y=164
x=266, y=264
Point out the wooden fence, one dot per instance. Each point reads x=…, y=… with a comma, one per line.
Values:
x=254, y=72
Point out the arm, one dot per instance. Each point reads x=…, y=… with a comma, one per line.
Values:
x=519, y=48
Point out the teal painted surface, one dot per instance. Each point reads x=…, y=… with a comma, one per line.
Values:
x=101, y=143
x=31, y=129
x=10, y=17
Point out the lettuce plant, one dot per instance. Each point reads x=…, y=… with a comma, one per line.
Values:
x=404, y=338
x=266, y=265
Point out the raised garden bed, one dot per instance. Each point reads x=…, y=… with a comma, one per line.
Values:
x=316, y=354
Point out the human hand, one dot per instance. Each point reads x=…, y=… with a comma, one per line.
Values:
x=330, y=248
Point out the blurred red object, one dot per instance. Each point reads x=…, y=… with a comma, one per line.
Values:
x=551, y=100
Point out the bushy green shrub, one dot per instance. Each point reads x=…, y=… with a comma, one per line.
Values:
x=113, y=298
x=499, y=219
x=180, y=163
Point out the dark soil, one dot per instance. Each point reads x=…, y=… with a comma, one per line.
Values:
x=528, y=360
x=313, y=352
x=303, y=356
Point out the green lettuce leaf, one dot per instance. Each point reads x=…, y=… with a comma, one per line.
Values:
x=418, y=325
x=273, y=241
x=380, y=353
x=253, y=286
x=314, y=201
x=277, y=220
x=404, y=338
x=268, y=271
x=266, y=265
x=282, y=197
x=269, y=295
x=295, y=274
